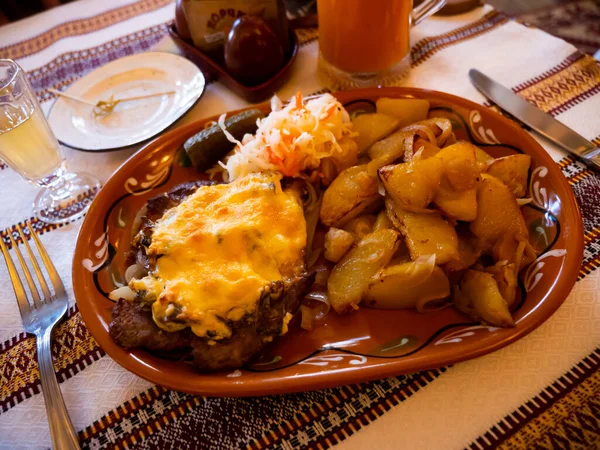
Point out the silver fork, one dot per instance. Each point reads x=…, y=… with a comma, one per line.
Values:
x=39, y=318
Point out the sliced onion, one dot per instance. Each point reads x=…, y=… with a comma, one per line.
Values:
x=524, y=201
x=519, y=253
x=322, y=276
x=313, y=196
x=322, y=269
x=276, y=103
x=308, y=320
x=328, y=170
x=408, y=148
x=228, y=135
x=137, y=221
x=118, y=283
x=424, y=262
x=135, y=271
x=322, y=265
x=428, y=133
x=312, y=258
x=418, y=153
x=312, y=210
x=530, y=251
x=380, y=187
x=319, y=296
x=124, y=292
x=446, y=126
x=322, y=309
x=424, y=131
x=451, y=140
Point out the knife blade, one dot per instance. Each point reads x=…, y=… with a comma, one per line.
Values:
x=537, y=119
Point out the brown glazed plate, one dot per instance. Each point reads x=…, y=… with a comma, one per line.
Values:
x=365, y=345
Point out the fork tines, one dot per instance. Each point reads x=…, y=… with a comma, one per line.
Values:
x=46, y=294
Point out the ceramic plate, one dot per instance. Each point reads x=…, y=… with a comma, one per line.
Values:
x=345, y=349
x=75, y=125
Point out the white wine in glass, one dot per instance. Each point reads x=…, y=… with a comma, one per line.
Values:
x=28, y=146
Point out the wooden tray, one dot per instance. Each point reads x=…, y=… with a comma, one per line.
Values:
x=214, y=69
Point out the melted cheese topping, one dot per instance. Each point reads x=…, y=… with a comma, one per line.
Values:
x=218, y=250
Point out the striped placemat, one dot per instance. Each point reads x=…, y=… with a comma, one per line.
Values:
x=112, y=408
x=565, y=414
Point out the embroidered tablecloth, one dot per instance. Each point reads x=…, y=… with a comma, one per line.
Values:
x=542, y=391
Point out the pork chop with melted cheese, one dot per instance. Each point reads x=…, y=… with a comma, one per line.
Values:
x=225, y=271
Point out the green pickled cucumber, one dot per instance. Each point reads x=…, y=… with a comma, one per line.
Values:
x=211, y=145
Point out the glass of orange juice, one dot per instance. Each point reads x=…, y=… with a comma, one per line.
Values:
x=28, y=146
x=367, y=42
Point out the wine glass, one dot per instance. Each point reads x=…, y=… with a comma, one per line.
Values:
x=28, y=146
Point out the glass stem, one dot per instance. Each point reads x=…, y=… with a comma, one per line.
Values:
x=58, y=183
x=61, y=189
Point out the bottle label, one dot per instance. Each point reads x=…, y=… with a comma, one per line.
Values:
x=210, y=20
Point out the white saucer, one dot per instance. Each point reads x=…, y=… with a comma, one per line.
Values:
x=75, y=125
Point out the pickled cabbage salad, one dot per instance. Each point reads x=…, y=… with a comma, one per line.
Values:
x=293, y=139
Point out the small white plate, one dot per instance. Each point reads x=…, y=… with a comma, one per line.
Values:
x=75, y=125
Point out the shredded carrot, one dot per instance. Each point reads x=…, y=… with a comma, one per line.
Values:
x=330, y=111
x=299, y=102
x=294, y=139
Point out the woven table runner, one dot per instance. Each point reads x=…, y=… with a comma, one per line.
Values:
x=542, y=391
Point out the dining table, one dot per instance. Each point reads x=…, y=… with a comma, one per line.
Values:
x=542, y=391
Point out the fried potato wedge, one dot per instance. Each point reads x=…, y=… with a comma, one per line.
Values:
x=361, y=226
x=412, y=284
x=371, y=128
x=406, y=110
x=424, y=233
x=382, y=221
x=460, y=165
x=498, y=212
x=388, y=150
x=337, y=243
x=458, y=205
x=352, y=193
x=514, y=248
x=468, y=252
x=505, y=276
x=350, y=277
x=478, y=296
x=414, y=185
x=499, y=225
x=482, y=156
x=513, y=171
x=457, y=194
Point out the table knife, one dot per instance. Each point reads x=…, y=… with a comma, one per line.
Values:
x=538, y=120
